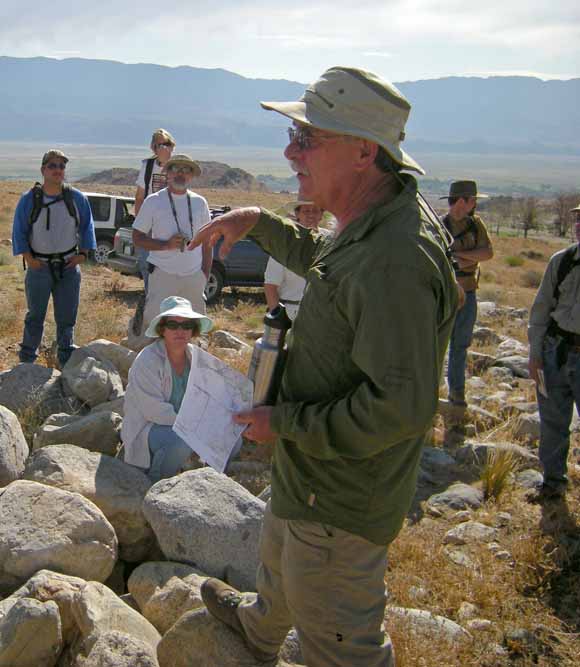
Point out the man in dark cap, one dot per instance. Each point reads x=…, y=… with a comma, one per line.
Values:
x=471, y=245
x=53, y=231
x=360, y=386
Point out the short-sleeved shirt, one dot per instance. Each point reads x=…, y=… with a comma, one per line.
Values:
x=469, y=234
x=21, y=231
x=158, y=178
x=290, y=285
x=155, y=217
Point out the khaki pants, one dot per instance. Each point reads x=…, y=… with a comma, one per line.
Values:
x=163, y=284
x=328, y=584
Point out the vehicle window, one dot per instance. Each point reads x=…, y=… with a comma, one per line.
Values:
x=123, y=215
x=101, y=208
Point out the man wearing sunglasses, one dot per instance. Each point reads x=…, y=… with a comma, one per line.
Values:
x=167, y=221
x=360, y=385
x=53, y=231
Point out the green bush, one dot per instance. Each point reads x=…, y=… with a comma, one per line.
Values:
x=514, y=260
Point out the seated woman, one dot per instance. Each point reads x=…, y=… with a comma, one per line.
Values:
x=157, y=383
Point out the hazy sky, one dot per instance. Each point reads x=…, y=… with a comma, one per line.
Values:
x=399, y=39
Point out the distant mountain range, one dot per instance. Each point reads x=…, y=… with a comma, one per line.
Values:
x=105, y=102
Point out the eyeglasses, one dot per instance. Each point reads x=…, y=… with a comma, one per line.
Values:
x=176, y=169
x=188, y=325
x=164, y=144
x=304, y=137
x=56, y=165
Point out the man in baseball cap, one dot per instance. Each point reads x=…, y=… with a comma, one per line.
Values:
x=53, y=153
x=53, y=231
x=471, y=245
x=360, y=385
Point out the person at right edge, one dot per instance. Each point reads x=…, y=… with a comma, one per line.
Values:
x=471, y=245
x=554, y=364
x=360, y=386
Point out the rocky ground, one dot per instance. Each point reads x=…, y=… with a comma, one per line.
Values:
x=98, y=567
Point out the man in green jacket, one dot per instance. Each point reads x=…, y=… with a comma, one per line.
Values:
x=360, y=386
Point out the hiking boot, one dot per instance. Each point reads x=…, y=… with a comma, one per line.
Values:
x=222, y=602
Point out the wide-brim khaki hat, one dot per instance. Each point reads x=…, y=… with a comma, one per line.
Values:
x=177, y=306
x=352, y=101
x=291, y=206
x=464, y=189
x=183, y=159
x=52, y=154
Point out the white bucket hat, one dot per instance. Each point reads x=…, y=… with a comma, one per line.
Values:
x=177, y=306
x=351, y=101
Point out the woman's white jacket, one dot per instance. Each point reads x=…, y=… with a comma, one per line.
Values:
x=147, y=400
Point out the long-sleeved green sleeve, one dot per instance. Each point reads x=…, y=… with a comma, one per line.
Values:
x=287, y=242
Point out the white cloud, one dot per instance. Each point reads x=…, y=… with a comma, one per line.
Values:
x=377, y=54
x=401, y=39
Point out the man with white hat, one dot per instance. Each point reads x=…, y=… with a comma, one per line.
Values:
x=554, y=337
x=471, y=245
x=166, y=222
x=360, y=386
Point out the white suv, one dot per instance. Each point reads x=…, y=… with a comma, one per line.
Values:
x=110, y=212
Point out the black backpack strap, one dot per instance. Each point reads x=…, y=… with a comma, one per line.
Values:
x=470, y=228
x=37, y=202
x=567, y=263
x=148, y=173
x=67, y=195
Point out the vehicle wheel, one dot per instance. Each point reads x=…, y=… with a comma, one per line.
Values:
x=215, y=284
x=102, y=250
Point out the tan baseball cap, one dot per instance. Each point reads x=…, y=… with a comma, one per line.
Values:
x=183, y=159
x=53, y=153
x=576, y=209
x=355, y=102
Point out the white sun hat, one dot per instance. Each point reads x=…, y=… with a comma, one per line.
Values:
x=177, y=306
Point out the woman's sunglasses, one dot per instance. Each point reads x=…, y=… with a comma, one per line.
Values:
x=188, y=325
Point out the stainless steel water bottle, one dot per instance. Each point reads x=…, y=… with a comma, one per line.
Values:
x=269, y=357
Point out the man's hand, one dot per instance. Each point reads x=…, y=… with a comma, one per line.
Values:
x=33, y=263
x=535, y=365
x=258, y=424
x=462, y=263
x=176, y=242
x=74, y=260
x=232, y=226
x=460, y=297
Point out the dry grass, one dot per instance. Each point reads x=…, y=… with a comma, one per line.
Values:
x=499, y=468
